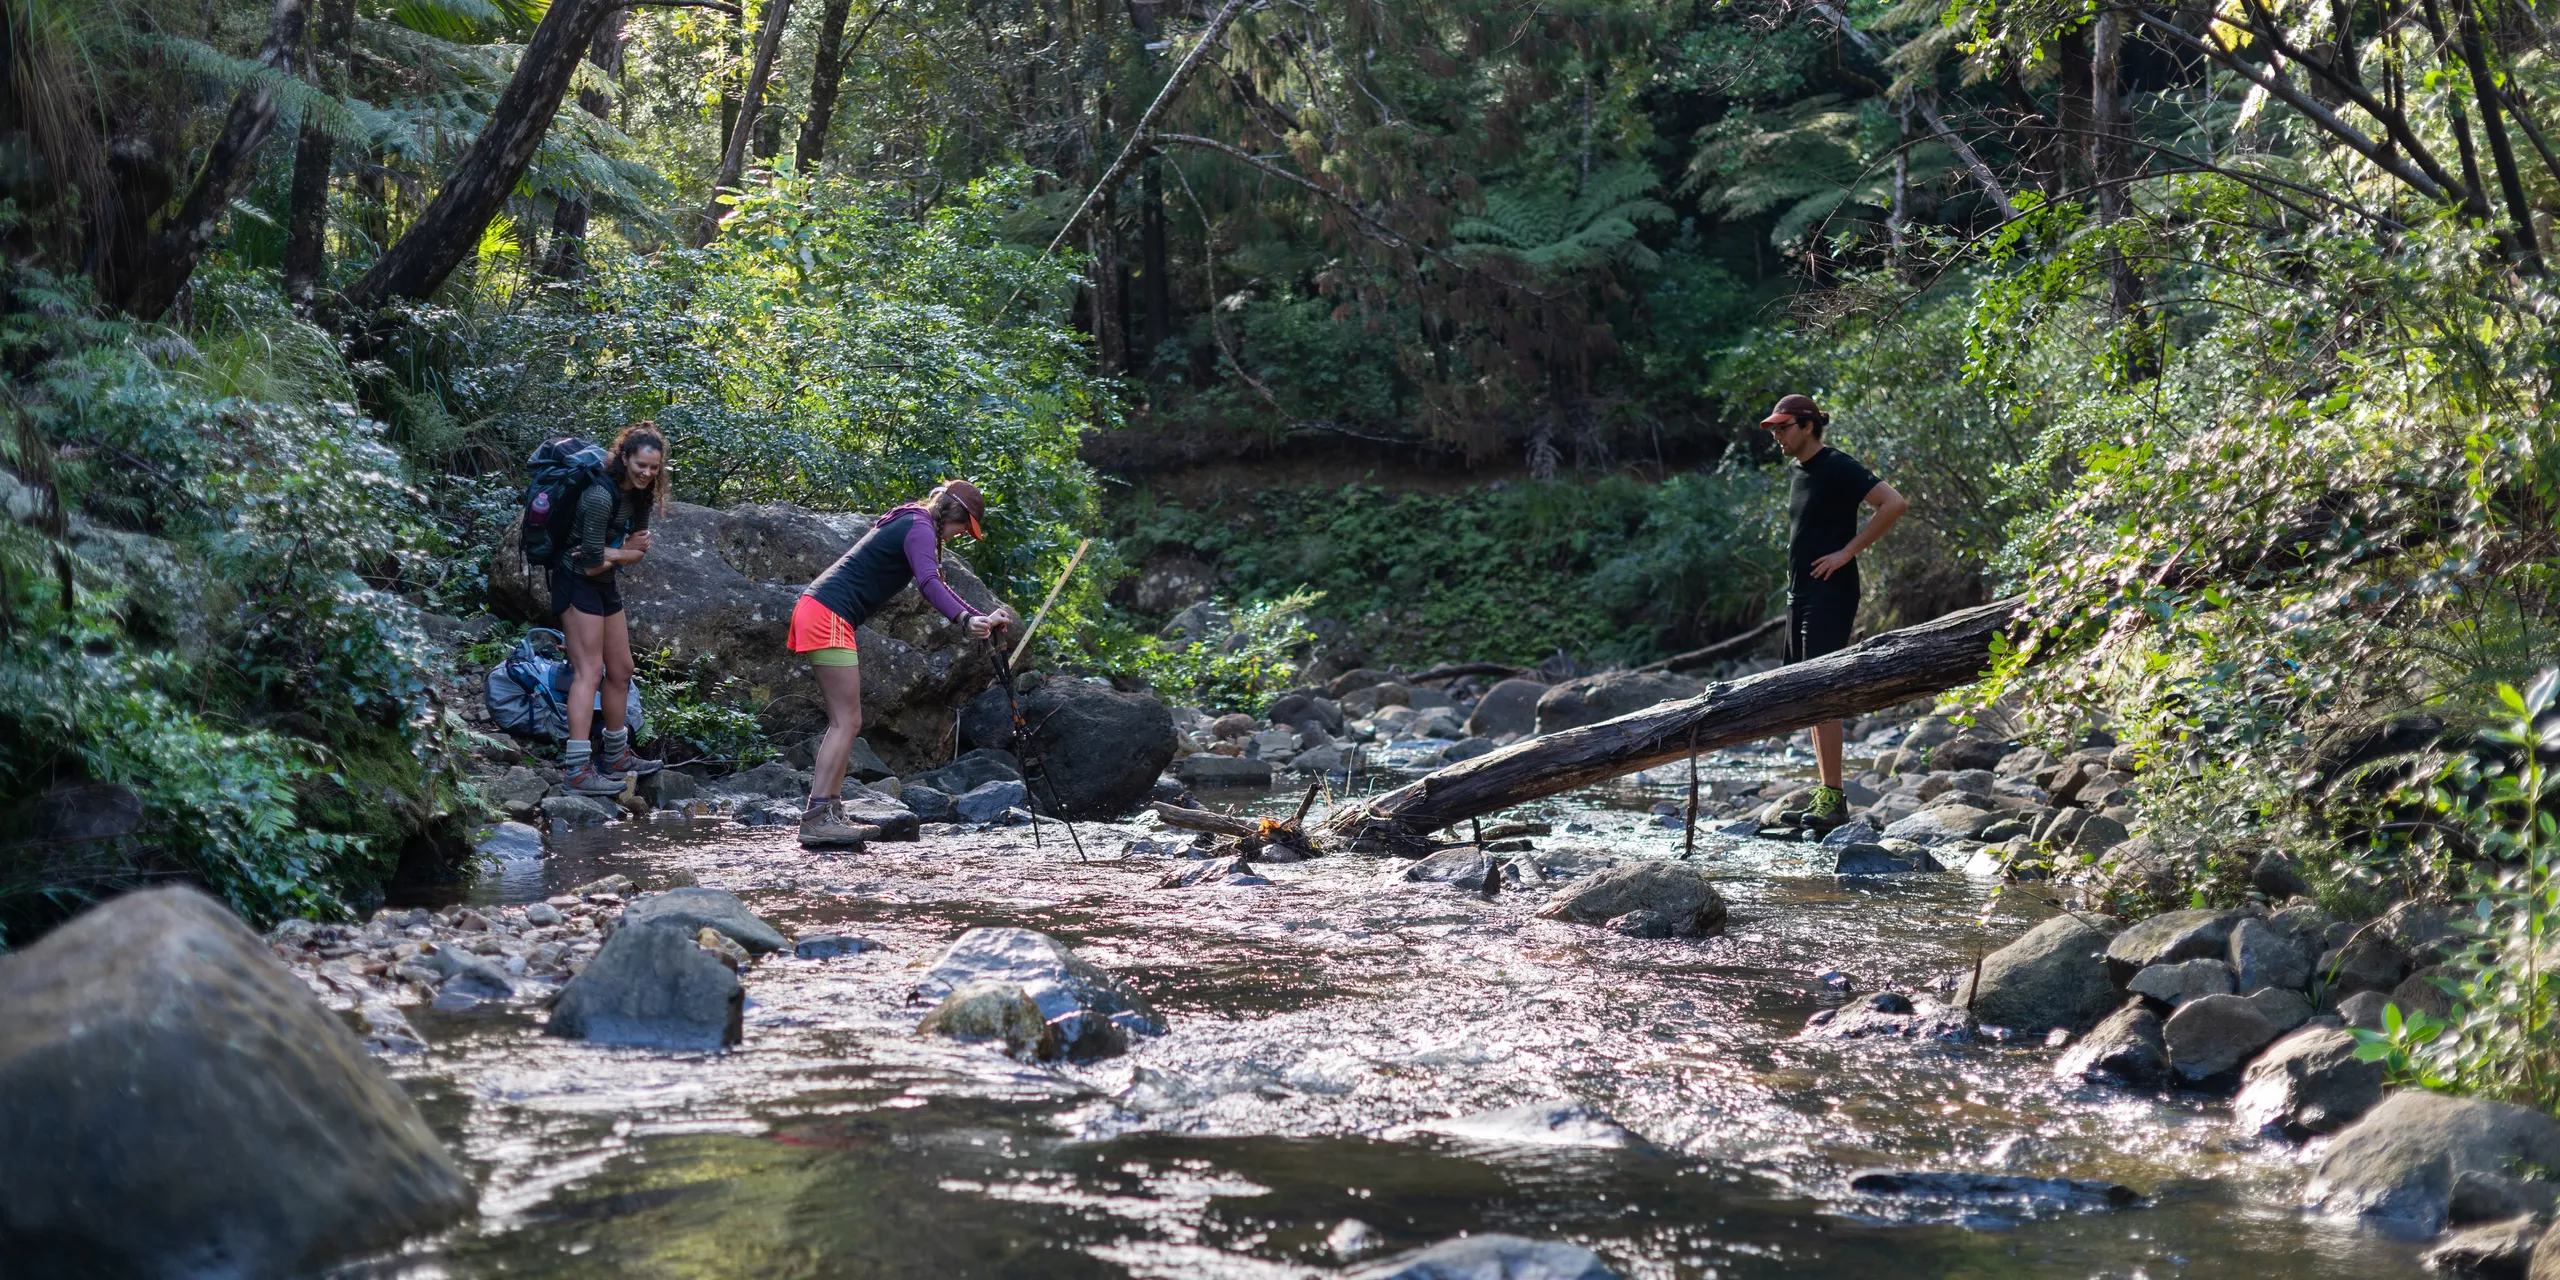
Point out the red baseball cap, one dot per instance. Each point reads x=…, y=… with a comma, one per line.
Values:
x=1792, y=407
x=975, y=503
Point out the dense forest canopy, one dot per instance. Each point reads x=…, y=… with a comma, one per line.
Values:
x=2218, y=334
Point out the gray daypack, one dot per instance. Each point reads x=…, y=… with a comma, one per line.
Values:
x=529, y=692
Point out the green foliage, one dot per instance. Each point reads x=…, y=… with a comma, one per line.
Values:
x=1240, y=666
x=689, y=718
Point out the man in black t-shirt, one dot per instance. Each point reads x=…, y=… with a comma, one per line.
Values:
x=1823, y=542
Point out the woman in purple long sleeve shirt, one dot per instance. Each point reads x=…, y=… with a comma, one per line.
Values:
x=901, y=547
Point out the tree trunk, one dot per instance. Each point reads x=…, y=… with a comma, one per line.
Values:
x=1891, y=668
x=826, y=76
x=1110, y=300
x=567, y=259
x=306, y=243
x=1153, y=260
x=449, y=230
x=2111, y=151
x=734, y=162
x=149, y=284
x=2072, y=97
x=2521, y=241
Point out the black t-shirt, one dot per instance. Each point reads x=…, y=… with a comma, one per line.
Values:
x=1822, y=506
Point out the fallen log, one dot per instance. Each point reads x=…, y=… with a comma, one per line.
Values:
x=1456, y=669
x=1728, y=645
x=1216, y=824
x=1880, y=672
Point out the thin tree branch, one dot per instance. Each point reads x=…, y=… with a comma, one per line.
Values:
x=1927, y=105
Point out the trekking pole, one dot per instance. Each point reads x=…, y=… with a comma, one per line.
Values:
x=1043, y=611
x=1032, y=769
x=1689, y=840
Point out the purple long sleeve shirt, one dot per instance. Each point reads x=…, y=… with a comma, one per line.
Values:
x=899, y=548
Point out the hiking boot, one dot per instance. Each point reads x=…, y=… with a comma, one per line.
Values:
x=588, y=780
x=824, y=826
x=630, y=761
x=1828, y=809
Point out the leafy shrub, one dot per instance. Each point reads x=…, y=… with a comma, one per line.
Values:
x=690, y=721
x=1239, y=666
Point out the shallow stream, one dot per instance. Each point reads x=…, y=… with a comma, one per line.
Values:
x=1314, y=1020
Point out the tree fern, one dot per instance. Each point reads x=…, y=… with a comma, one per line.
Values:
x=1549, y=229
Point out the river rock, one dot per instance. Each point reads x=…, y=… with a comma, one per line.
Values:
x=1564, y=1122
x=2492, y=1249
x=1943, y=822
x=2426, y=932
x=2053, y=976
x=577, y=813
x=1607, y=696
x=466, y=975
x=2210, y=1037
x=693, y=909
x=1295, y=709
x=990, y=801
x=718, y=588
x=654, y=987
x=992, y=1010
x=2284, y=1010
x=1997, y=1190
x=1464, y=865
x=2306, y=1084
x=1508, y=707
x=2175, y=984
x=827, y=946
x=2170, y=937
x=2127, y=1048
x=928, y=803
x=1877, y=860
x=1890, y=1015
x=2419, y=992
x=2399, y=1162
x=1967, y=751
x=1222, y=771
x=1680, y=894
x=2262, y=957
x=1490, y=1256
x=1093, y=1011
x=973, y=769
x=865, y=807
x=1640, y=924
x=518, y=792
x=1099, y=750
x=2363, y=1009
x=173, y=1103
x=2366, y=964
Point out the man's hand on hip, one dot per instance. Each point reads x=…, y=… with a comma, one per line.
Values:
x=1831, y=564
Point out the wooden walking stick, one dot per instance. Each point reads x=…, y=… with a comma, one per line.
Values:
x=1061, y=585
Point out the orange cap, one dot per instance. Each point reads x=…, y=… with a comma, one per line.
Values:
x=972, y=501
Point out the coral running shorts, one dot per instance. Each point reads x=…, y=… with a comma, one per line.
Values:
x=821, y=633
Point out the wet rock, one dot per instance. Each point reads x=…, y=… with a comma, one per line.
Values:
x=173, y=1103
x=2211, y=1036
x=928, y=803
x=1996, y=1190
x=467, y=975
x=1889, y=1015
x=1296, y=709
x=2306, y=1084
x=2175, y=984
x=1205, y=771
x=1640, y=924
x=1003, y=1012
x=519, y=791
x=1351, y=1239
x=1680, y=894
x=387, y=1030
x=1564, y=1122
x=827, y=946
x=1508, y=707
x=2054, y=976
x=1944, y=822
x=972, y=770
x=653, y=987
x=2127, y=1048
x=1093, y=1011
x=990, y=802
x=692, y=909
x=1855, y=831
x=2399, y=1162
x=2170, y=937
x=1593, y=699
x=577, y=813
x=1099, y=749
x=2366, y=964
x=2501, y=1249
x=2261, y=957
x=1877, y=860
x=1491, y=1256
x=1463, y=865
x=509, y=841
x=1209, y=871
x=2482, y=1196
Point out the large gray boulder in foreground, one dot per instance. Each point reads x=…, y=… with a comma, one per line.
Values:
x=693, y=910
x=173, y=1103
x=653, y=986
x=2401, y=1162
x=1680, y=895
x=1100, y=750
x=1092, y=1012
x=2054, y=976
x=1492, y=1256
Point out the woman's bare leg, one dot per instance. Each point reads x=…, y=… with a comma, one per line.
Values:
x=615, y=646
x=842, y=688
x=585, y=633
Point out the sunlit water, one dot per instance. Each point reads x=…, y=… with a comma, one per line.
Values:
x=1313, y=1020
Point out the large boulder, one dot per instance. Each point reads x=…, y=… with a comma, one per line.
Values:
x=1508, y=707
x=1593, y=699
x=2170, y=937
x=693, y=910
x=718, y=588
x=2127, y=1048
x=2306, y=1084
x=2401, y=1161
x=2211, y=1036
x=1491, y=1256
x=1681, y=895
x=1093, y=1012
x=1099, y=750
x=2053, y=976
x=654, y=986
x=173, y=1103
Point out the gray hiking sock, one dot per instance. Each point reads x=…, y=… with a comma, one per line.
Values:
x=613, y=742
x=576, y=752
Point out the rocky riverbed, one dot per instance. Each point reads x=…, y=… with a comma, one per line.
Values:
x=1353, y=1063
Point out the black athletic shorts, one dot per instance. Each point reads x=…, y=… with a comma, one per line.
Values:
x=1821, y=612
x=571, y=589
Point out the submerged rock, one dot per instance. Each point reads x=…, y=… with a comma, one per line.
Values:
x=998, y=1011
x=1997, y=1190
x=695, y=909
x=1491, y=1256
x=1877, y=860
x=654, y=987
x=1889, y=1015
x=827, y=946
x=2399, y=1163
x=2504, y=1248
x=1682, y=895
x=1093, y=1011
x=1565, y=1122
x=2053, y=976
x=2127, y=1048
x=174, y=1103
x=2306, y=1084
